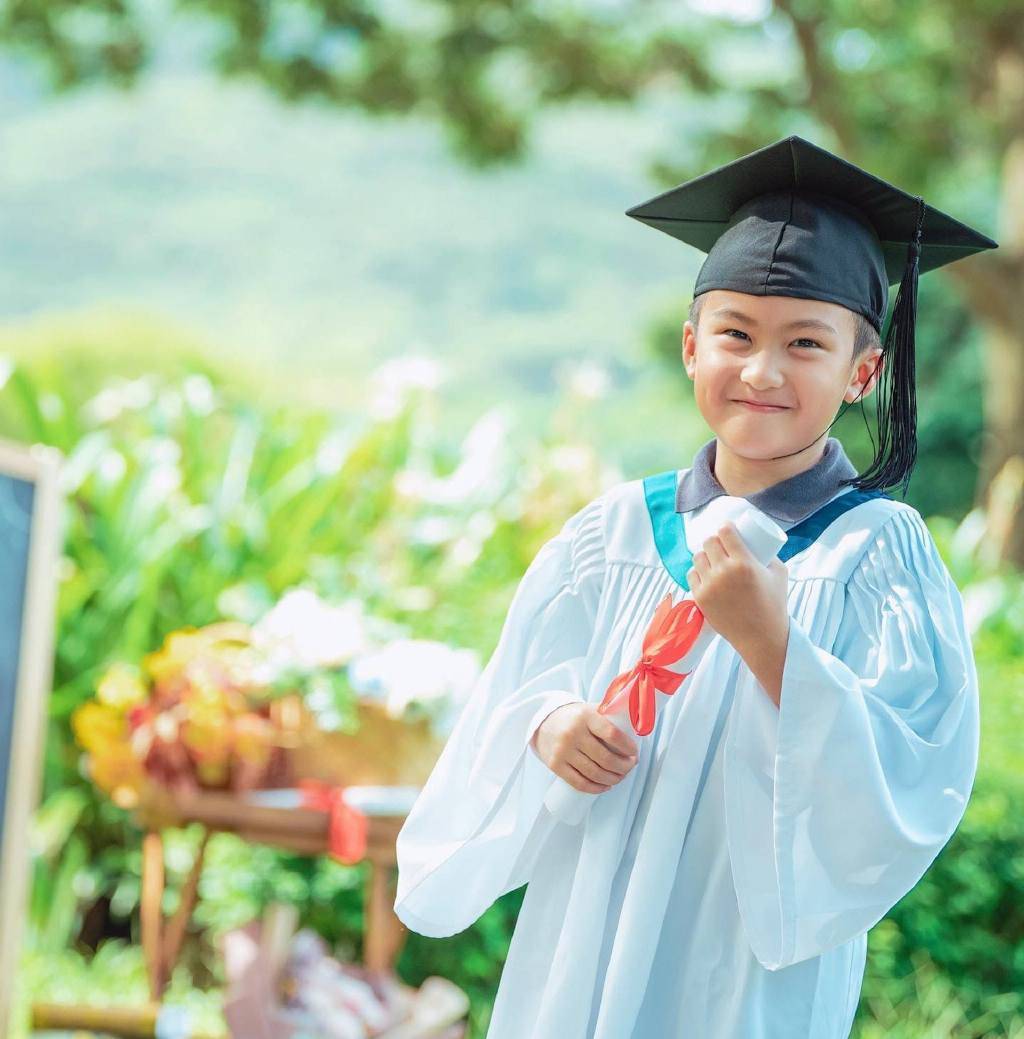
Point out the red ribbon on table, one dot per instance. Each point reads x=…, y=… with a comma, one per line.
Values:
x=670, y=635
x=346, y=828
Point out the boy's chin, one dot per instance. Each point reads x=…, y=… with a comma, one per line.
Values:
x=748, y=441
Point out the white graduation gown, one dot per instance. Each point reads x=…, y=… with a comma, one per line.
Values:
x=724, y=887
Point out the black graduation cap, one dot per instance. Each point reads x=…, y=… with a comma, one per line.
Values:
x=792, y=219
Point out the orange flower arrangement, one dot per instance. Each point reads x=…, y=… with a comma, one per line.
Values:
x=310, y=690
x=190, y=718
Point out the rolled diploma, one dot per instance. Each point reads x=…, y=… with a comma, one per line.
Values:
x=764, y=537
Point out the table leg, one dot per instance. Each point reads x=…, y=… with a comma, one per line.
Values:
x=384, y=933
x=150, y=912
x=174, y=932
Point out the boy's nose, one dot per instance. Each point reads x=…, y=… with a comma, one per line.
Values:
x=761, y=376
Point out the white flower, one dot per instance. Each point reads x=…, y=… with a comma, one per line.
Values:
x=138, y=393
x=481, y=525
x=433, y=530
x=395, y=380
x=169, y=404
x=104, y=407
x=311, y=633
x=433, y=674
x=164, y=481
x=982, y=599
x=576, y=459
x=111, y=467
x=482, y=473
x=332, y=451
x=586, y=380
x=465, y=551
x=156, y=451
x=121, y=395
x=198, y=393
x=414, y=597
x=194, y=517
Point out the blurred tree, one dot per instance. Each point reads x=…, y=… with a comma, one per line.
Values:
x=930, y=95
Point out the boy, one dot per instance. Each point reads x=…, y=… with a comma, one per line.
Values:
x=805, y=775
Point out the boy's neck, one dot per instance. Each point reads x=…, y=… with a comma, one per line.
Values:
x=741, y=477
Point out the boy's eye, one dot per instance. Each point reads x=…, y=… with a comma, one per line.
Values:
x=813, y=342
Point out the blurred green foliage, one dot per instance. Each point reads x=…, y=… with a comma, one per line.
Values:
x=187, y=489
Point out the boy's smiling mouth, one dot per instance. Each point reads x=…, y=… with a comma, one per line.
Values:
x=761, y=407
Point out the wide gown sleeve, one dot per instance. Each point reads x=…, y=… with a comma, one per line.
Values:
x=838, y=800
x=478, y=823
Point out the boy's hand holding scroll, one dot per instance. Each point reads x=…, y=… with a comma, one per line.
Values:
x=746, y=602
x=587, y=749
x=743, y=600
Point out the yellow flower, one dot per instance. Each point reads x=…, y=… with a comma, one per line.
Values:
x=213, y=773
x=178, y=649
x=99, y=726
x=119, y=773
x=187, y=644
x=121, y=687
x=207, y=736
x=253, y=738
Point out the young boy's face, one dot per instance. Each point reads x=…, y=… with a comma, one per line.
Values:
x=782, y=350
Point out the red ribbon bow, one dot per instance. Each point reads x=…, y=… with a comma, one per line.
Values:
x=672, y=632
x=346, y=828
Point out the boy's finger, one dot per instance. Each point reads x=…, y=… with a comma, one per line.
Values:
x=730, y=538
x=605, y=729
x=601, y=754
x=714, y=549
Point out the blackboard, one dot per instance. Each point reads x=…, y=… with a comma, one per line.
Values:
x=16, y=500
x=29, y=554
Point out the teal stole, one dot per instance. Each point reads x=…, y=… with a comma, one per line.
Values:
x=670, y=535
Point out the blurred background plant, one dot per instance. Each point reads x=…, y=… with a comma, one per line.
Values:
x=186, y=503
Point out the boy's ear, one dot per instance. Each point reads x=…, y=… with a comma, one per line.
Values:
x=689, y=348
x=865, y=374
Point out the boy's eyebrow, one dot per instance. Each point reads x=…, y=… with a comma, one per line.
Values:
x=738, y=315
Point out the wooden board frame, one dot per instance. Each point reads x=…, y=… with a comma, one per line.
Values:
x=38, y=465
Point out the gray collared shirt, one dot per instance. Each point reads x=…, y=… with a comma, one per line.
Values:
x=788, y=501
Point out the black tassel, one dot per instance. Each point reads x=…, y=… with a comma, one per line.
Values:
x=896, y=399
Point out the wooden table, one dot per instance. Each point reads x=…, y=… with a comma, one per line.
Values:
x=296, y=829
